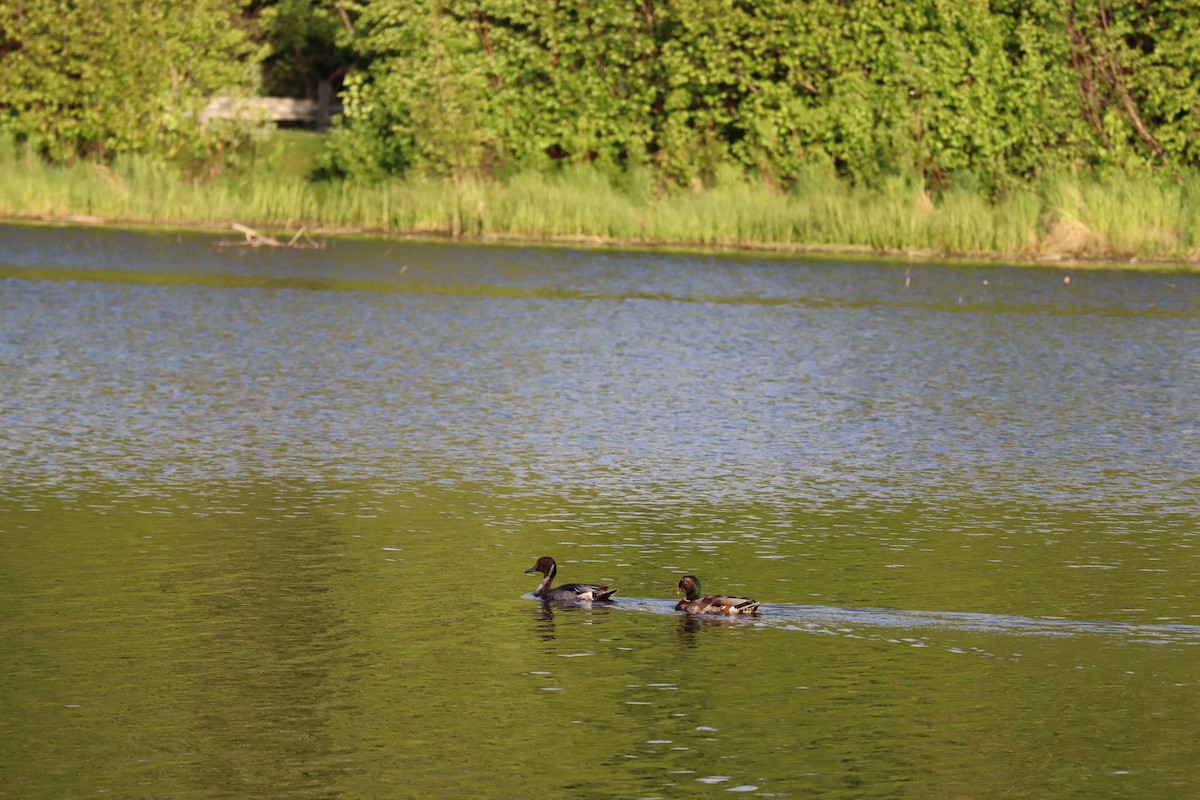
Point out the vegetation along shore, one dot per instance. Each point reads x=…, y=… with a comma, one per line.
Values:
x=1028, y=130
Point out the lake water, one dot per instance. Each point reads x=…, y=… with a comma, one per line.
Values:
x=264, y=517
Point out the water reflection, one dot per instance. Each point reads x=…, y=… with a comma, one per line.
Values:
x=690, y=626
x=263, y=520
x=748, y=381
x=576, y=613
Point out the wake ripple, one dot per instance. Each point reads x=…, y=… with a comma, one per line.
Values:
x=870, y=621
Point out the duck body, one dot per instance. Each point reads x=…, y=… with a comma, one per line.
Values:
x=694, y=603
x=567, y=592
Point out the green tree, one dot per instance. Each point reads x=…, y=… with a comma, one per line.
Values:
x=481, y=85
x=1000, y=89
x=421, y=97
x=109, y=76
x=1137, y=64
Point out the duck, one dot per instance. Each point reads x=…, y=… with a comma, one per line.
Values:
x=693, y=603
x=568, y=592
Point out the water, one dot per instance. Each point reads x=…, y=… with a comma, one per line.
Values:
x=264, y=518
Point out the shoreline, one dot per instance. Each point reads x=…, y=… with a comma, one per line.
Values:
x=839, y=252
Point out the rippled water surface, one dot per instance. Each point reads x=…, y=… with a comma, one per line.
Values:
x=264, y=517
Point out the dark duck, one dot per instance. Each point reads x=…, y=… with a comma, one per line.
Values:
x=568, y=592
x=693, y=603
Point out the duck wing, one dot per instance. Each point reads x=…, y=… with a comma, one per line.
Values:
x=587, y=591
x=723, y=604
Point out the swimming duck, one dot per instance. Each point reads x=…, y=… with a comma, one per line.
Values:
x=589, y=592
x=693, y=603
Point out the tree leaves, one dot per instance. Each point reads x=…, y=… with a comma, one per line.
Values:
x=110, y=76
x=1000, y=90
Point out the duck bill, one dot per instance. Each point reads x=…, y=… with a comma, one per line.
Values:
x=531, y=571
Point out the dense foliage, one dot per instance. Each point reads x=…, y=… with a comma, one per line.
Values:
x=999, y=89
x=108, y=76
x=103, y=77
x=973, y=93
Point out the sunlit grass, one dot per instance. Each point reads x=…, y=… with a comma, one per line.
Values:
x=1147, y=217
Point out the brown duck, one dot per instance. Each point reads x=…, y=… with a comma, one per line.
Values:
x=693, y=603
x=587, y=592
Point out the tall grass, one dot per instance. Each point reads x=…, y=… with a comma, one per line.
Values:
x=1120, y=217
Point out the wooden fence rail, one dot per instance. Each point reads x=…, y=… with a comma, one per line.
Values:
x=275, y=109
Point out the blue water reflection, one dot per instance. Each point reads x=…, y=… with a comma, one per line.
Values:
x=635, y=375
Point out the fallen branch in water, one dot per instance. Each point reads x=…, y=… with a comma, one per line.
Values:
x=256, y=239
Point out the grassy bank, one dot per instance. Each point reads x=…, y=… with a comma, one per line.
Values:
x=1147, y=217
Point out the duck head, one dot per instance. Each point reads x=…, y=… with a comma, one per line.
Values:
x=544, y=565
x=689, y=586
